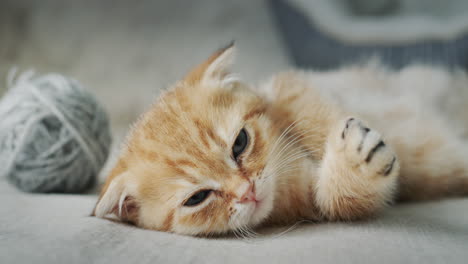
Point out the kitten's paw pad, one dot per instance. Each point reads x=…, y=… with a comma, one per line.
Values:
x=365, y=149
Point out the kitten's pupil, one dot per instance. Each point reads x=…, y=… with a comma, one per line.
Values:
x=197, y=198
x=240, y=143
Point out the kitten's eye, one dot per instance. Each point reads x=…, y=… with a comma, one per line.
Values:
x=197, y=198
x=240, y=143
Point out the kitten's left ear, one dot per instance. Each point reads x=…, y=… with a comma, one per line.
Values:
x=217, y=66
x=118, y=199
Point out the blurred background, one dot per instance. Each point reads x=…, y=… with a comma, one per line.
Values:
x=126, y=51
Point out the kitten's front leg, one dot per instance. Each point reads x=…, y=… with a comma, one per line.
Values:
x=358, y=174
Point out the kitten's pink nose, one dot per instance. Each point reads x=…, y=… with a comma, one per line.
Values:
x=249, y=195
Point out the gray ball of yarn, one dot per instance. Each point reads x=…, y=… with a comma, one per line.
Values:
x=54, y=136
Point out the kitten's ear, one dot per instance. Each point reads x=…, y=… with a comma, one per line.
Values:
x=217, y=66
x=118, y=200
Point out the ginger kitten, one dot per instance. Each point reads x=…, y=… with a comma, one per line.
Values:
x=215, y=155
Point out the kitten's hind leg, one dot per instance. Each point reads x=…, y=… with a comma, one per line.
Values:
x=433, y=167
x=358, y=174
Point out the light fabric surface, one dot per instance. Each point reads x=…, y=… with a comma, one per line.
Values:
x=57, y=229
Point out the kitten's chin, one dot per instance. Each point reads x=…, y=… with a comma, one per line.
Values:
x=264, y=205
x=260, y=211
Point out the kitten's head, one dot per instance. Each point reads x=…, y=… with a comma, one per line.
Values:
x=200, y=161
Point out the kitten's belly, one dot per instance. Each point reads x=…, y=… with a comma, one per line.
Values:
x=383, y=97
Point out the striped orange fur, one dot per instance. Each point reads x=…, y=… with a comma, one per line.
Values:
x=309, y=153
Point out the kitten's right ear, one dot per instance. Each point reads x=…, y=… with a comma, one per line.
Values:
x=118, y=199
x=217, y=66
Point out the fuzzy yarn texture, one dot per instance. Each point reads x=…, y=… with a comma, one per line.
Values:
x=54, y=136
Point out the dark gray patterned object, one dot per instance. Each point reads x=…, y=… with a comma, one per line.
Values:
x=311, y=48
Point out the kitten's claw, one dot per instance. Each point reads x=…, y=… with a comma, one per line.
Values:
x=365, y=149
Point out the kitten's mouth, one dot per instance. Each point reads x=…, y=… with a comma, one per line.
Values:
x=258, y=203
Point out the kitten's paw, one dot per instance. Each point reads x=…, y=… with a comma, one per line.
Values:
x=365, y=149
